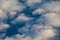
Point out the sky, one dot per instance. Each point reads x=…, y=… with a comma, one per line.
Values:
x=29, y=20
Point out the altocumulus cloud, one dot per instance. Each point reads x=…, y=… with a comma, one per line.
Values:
x=16, y=22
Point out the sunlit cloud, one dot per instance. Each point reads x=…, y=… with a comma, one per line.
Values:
x=9, y=5
x=31, y=2
x=53, y=19
x=34, y=28
x=38, y=11
x=3, y=26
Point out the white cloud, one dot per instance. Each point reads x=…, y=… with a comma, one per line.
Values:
x=51, y=6
x=42, y=33
x=21, y=17
x=38, y=11
x=55, y=6
x=52, y=16
x=53, y=19
x=11, y=5
x=30, y=2
x=38, y=27
x=3, y=15
x=18, y=37
x=12, y=14
x=3, y=26
x=45, y=34
x=10, y=38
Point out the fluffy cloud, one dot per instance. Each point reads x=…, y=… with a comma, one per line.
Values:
x=9, y=5
x=8, y=9
x=21, y=18
x=42, y=32
x=45, y=34
x=52, y=14
x=3, y=26
x=53, y=19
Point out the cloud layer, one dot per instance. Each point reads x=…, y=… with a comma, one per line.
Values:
x=31, y=20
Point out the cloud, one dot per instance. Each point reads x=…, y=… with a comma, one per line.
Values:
x=51, y=6
x=21, y=18
x=18, y=37
x=52, y=14
x=31, y=2
x=3, y=26
x=38, y=11
x=9, y=8
x=55, y=6
x=40, y=32
x=45, y=34
x=53, y=19
x=9, y=5
x=3, y=16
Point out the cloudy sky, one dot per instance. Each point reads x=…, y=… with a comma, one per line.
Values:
x=29, y=20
